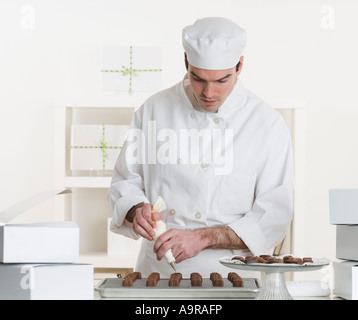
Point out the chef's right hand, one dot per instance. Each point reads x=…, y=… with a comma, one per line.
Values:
x=144, y=221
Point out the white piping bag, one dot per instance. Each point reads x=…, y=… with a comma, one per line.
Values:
x=159, y=206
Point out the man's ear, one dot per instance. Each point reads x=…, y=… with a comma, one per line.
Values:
x=186, y=61
x=241, y=64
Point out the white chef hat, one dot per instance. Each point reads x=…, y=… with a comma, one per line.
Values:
x=213, y=43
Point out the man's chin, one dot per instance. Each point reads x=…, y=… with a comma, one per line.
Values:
x=210, y=108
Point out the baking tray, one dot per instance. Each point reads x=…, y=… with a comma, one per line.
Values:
x=112, y=288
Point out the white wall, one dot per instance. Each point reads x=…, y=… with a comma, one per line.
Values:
x=50, y=55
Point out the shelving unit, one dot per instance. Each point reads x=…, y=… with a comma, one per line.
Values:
x=87, y=205
x=87, y=182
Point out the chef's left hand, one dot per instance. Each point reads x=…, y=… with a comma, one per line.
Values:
x=185, y=244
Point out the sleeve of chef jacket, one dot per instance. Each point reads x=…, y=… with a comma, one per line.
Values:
x=127, y=187
x=266, y=224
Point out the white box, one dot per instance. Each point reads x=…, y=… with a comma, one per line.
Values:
x=46, y=281
x=343, y=206
x=52, y=242
x=48, y=242
x=346, y=279
x=119, y=245
x=96, y=147
x=346, y=242
x=131, y=68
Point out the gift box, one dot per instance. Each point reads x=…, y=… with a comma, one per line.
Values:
x=96, y=147
x=346, y=242
x=343, y=206
x=46, y=282
x=51, y=242
x=47, y=242
x=346, y=279
x=131, y=68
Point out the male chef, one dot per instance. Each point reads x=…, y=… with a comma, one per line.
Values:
x=218, y=155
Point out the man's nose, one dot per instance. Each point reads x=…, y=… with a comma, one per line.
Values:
x=209, y=90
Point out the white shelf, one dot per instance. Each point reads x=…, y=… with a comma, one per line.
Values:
x=108, y=100
x=87, y=182
x=103, y=260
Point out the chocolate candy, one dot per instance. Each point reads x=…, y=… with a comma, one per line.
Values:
x=242, y=259
x=290, y=259
x=128, y=280
x=175, y=279
x=216, y=279
x=196, y=279
x=235, y=279
x=307, y=260
x=287, y=259
x=153, y=279
x=254, y=259
x=137, y=275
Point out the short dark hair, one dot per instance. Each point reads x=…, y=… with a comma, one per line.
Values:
x=187, y=63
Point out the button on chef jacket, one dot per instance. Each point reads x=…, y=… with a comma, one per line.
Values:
x=247, y=186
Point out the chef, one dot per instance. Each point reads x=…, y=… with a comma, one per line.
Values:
x=219, y=157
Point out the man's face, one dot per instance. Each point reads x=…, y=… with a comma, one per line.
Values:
x=212, y=87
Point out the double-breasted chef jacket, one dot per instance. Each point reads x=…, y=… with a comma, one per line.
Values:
x=233, y=167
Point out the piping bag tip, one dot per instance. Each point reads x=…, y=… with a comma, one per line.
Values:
x=173, y=266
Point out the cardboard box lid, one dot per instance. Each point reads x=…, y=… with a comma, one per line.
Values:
x=346, y=263
x=39, y=225
x=10, y=213
x=343, y=206
x=42, y=265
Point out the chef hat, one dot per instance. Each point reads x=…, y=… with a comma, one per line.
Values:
x=214, y=43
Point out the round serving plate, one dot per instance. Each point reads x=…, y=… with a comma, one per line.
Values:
x=275, y=267
x=274, y=285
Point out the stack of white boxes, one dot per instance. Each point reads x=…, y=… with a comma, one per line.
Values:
x=343, y=205
x=39, y=261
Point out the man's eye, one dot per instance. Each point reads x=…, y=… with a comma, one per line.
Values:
x=222, y=81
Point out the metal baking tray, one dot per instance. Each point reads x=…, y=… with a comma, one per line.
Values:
x=112, y=288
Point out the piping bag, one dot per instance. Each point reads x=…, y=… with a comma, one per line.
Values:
x=159, y=206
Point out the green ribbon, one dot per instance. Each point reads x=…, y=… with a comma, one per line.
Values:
x=130, y=71
x=103, y=146
x=126, y=71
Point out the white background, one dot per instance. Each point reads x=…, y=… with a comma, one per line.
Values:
x=50, y=56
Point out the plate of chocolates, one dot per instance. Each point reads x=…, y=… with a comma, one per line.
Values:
x=270, y=263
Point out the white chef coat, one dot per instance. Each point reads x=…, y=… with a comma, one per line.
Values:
x=252, y=195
